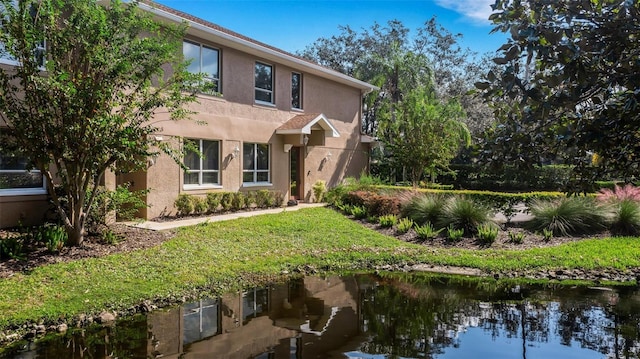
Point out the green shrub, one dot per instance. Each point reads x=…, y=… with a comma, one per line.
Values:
x=278, y=198
x=387, y=221
x=238, y=201
x=200, y=205
x=569, y=216
x=319, y=189
x=13, y=247
x=213, y=201
x=184, y=204
x=226, y=201
x=264, y=199
x=462, y=213
x=358, y=212
x=454, y=234
x=487, y=233
x=122, y=202
x=110, y=237
x=427, y=231
x=424, y=208
x=626, y=218
x=516, y=237
x=547, y=234
x=250, y=198
x=404, y=225
x=52, y=236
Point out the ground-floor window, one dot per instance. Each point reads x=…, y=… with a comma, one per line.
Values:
x=202, y=170
x=255, y=163
x=16, y=174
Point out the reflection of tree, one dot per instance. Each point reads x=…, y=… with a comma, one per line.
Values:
x=411, y=317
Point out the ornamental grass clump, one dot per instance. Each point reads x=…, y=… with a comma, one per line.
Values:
x=423, y=208
x=628, y=192
x=463, y=213
x=569, y=216
x=626, y=218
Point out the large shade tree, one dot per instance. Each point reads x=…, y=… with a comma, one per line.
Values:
x=568, y=85
x=81, y=98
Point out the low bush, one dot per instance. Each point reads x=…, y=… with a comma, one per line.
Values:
x=404, y=225
x=618, y=193
x=213, y=201
x=13, y=247
x=52, y=236
x=226, y=201
x=454, y=234
x=122, y=202
x=264, y=199
x=184, y=204
x=427, y=231
x=239, y=201
x=487, y=233
x=200, y=205
x=387, y=221
x=358, y=212
x=374, y=203
x=319, y=190
x=463, y=213
x=278, y=198
x=516, y=237
x=569, y=216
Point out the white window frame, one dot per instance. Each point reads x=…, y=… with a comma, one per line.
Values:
x=255, y=170
x=201, y=171
x=260, y=89
x=24, y=191
x=299, y=91
x=207, y=78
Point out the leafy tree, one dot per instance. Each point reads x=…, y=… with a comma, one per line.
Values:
x=567, y=86
x=426, y=133
x=83, y=103
x=367, y=54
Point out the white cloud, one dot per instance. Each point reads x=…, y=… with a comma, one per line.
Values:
x=476, y=10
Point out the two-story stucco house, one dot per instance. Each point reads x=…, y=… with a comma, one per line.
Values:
x=273, y=120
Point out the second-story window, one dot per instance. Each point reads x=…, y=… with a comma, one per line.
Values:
x=296, y=90
x=206, y=61
x=264, y=83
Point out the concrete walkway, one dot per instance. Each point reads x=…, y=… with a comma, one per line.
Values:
x=171, y=224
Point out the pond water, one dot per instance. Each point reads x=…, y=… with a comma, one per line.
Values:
x=372, y=316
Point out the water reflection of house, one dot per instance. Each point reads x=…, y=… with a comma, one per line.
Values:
x=311, y=315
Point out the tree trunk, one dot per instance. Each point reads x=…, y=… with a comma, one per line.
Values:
x=75, y=230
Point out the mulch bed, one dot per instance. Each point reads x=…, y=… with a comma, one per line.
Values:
x=92, y=247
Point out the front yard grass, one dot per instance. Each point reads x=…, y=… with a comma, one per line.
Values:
x=222, y=256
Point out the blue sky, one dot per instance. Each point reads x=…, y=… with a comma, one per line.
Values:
x=291, y=25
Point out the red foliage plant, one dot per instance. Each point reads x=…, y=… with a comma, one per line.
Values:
x=628, y=192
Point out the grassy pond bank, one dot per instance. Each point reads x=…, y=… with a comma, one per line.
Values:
x=224, y=256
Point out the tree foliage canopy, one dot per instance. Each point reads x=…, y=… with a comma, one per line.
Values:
x=87, y=82
x=568, y=85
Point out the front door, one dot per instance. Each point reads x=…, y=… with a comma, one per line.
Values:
x=296, y=170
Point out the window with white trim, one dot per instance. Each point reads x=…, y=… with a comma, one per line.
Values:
x=204, y=60
x=202, y=170
x=255, y=163
x=264, y=83
x=16, y=175
x=296, y=91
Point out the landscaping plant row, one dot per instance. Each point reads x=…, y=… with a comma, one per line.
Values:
x=214, y=202
x=432, y=213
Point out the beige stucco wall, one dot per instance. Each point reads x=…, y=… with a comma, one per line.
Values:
x=235, y=118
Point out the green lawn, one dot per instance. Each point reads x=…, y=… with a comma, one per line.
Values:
x=224, y=255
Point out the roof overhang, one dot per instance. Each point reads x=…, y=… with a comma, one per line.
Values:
x=303, y=125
